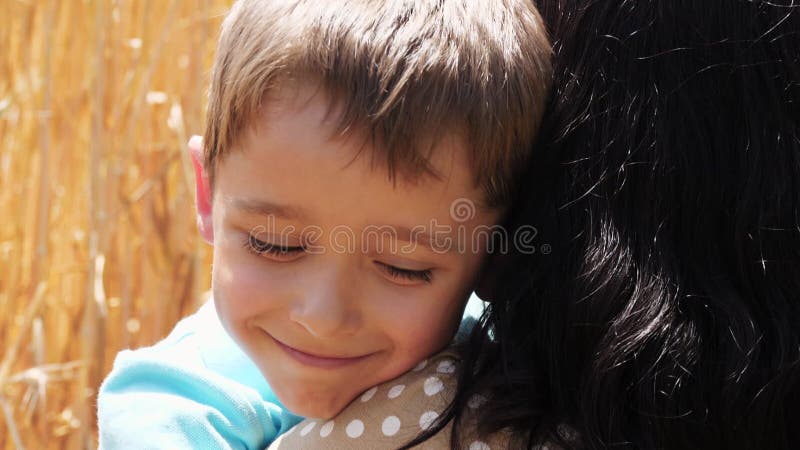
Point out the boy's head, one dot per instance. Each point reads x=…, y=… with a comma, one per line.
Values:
x=343, y=140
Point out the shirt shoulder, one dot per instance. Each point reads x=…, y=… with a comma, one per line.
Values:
x=393, y=413
x=193, y=389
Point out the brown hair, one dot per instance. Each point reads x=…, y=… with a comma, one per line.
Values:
x=404, y=71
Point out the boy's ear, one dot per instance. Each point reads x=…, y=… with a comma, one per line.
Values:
x=202, y=190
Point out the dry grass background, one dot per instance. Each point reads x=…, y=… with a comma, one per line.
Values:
x=98, y=245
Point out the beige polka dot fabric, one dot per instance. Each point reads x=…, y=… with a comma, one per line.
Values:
x=392, y=414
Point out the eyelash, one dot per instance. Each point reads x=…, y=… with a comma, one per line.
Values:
x=407, y=274
x=260, y=248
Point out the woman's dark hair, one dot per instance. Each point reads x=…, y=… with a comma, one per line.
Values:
x=667, y=184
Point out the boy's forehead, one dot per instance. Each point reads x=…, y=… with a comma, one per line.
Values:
x=296, y=134
x=295, y=106
x=309, y=99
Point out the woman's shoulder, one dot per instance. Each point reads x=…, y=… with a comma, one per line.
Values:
x=393, y=413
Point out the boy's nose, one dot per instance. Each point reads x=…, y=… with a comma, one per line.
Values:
x=327, y=305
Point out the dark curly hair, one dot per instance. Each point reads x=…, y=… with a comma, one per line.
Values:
x=666, y=180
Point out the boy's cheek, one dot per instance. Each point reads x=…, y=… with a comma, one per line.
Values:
x=244, y=288
x=429, y=322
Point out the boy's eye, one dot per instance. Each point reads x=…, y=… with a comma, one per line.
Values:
x=406, y=276
x=274, y=251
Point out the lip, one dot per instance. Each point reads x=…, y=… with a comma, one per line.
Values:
x=322, y=362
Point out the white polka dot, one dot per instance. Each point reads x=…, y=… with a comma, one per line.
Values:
x=420, y=366
x=278, y=443
x=476, y=401
x=326, y=429
x=427, y=418
x=395, y=391
x=355, y=428
x=433, y=385
x=479, y=445
x=390, y=426
x=307, y=429
x=368, y=395
x=446, y=366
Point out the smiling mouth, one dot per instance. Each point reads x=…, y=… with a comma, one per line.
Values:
x=323, y=362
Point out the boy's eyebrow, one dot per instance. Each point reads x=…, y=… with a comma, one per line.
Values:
x=419, y=236
x=266, y=208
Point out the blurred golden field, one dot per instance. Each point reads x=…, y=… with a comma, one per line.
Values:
x=98, y=243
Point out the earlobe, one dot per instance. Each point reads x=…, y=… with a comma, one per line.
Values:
x=202, y=190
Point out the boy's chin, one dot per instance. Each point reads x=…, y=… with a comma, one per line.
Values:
x=315, y=408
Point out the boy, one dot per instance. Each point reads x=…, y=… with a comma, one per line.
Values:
x=341, y=137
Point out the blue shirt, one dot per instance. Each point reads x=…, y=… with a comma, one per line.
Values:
x=196, y=389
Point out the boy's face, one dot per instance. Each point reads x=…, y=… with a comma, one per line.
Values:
x=323, y=304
